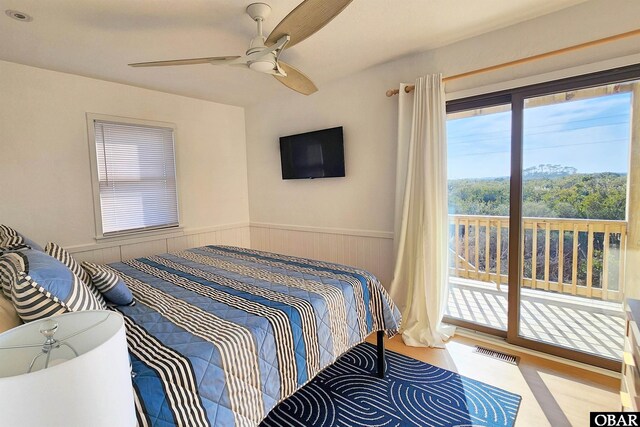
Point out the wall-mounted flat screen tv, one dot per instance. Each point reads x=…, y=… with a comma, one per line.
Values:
x=318, y=154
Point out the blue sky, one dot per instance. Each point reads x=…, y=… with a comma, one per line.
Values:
x=591, y=135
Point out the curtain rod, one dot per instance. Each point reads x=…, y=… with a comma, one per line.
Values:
x=410, y=88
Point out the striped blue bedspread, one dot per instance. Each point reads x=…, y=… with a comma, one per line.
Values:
x=220, y=335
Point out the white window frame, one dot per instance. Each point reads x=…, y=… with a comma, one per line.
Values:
x=95, y=183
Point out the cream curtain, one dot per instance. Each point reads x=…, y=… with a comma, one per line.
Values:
x=420, y=283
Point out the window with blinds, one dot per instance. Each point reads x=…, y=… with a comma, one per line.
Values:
x=136, y=176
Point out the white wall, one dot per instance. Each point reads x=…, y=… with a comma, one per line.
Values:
x=364, y=199
x=45, y=190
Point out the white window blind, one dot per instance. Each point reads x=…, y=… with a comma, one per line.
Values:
x=136, y=176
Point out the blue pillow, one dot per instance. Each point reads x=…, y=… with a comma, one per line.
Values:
x=33, y=245
x=59, y=253
x=109, y=284
x=46, y=287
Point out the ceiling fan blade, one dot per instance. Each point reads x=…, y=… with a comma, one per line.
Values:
x=296, y=80
x=307, y=18
x=212, y=60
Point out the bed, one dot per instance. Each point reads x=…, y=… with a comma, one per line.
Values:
x=220, y=335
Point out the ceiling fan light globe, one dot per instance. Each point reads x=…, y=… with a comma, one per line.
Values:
x=262, y=66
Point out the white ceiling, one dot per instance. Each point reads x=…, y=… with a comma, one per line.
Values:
x=98, y=38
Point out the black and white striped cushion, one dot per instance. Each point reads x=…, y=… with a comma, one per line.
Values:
x=9, y=237
x=103, y=279
x=65, y=257
x=12, y=248
x=10, y=268
x=34, y=300
x=7, y=231
x=109, y=283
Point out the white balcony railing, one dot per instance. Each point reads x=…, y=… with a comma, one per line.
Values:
x=570, y=256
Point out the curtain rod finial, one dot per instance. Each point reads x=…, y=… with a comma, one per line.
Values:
x=392, y=92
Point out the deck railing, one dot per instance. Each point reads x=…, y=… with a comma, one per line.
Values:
x=570, y=256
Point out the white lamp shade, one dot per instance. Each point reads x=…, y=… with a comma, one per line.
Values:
x=92, y=389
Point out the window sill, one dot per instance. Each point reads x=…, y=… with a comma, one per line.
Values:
x=135, y=235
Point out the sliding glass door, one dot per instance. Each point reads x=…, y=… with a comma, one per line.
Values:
x=479, y=152
x=539, y=196
x=574, y=195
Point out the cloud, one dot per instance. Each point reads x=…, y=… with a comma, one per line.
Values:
x=591, y=135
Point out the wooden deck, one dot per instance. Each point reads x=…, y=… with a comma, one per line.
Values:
x=580, y=323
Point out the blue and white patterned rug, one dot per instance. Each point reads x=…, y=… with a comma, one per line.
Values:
x=413, y=393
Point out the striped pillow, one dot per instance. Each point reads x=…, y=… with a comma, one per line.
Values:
x=46, y=287
x=33, y=245
x=10, y=268
x=9, y=237
x=12, y=248
x=65, y=257
x=109, y=284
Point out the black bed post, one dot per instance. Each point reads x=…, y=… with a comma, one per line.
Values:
x=381, y=364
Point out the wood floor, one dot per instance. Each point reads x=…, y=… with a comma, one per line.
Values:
x=588, y=325
x=553, y=394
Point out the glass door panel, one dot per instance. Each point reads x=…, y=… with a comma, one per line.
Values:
x=574, y=195
x=479, y=153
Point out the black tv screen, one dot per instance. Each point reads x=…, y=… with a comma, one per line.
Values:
x=318, y=154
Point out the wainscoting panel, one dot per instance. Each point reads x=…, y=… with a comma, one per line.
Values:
x=371, y=251
x=99, y=256
x=138, y=250
x=232, y=237
x=114, y=251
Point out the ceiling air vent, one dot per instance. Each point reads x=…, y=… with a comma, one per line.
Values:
x=18, y=16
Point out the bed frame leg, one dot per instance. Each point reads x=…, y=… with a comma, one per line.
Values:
x=381, y=355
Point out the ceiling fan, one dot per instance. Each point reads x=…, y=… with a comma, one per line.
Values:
x=263, y=54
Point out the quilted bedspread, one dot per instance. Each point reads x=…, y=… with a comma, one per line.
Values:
x=220, y=335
